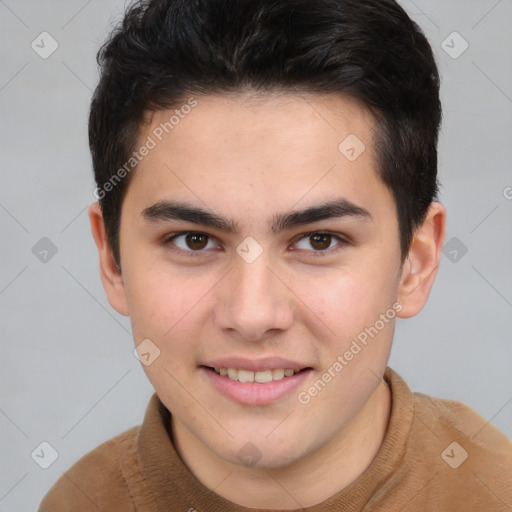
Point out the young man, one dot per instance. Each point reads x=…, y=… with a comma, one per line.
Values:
x=267, y=191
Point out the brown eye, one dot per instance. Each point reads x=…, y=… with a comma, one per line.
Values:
x=190, y=243
x=320, y=241
x=196, y=241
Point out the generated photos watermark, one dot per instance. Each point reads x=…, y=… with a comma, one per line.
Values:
x=151, y=143
x=358, y=344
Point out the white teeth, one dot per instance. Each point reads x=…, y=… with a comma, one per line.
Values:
x=245, y=376
x=261, y=377
x=277, y=374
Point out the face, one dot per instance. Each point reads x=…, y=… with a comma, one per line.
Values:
x=254, y=238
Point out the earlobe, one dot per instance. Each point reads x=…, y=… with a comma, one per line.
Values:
x=420, y=267
x=110, y=274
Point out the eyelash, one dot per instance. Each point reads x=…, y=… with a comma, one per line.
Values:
x=192, y=254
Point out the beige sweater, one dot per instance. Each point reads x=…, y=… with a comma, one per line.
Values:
x=437, y=456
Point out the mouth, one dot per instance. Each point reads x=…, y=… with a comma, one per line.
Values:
x=256, y=388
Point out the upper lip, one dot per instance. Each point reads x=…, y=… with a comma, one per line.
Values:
x=255, y=364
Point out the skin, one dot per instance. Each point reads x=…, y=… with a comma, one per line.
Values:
x=249, y=158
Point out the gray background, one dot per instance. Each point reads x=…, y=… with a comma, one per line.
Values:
x=68, y=373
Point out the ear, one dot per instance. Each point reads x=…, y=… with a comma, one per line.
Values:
x=111, y=276
x=420, y=267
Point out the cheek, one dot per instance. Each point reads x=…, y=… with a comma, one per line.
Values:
x=346, y=303
x=348, y=298
x=168, y=310
x=163, y=304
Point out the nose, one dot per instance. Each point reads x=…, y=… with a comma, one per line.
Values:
x=253, y=301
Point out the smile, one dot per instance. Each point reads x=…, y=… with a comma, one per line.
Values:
x=262, y=387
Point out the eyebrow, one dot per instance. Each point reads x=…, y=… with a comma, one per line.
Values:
x=173, y=210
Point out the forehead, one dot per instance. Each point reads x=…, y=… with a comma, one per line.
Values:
x=274, y=146
x=281, y=117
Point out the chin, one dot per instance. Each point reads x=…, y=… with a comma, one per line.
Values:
x=260, y=454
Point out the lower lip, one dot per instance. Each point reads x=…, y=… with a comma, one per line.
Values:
x=254, y=393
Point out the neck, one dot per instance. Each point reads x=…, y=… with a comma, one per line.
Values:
x=305, y=483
